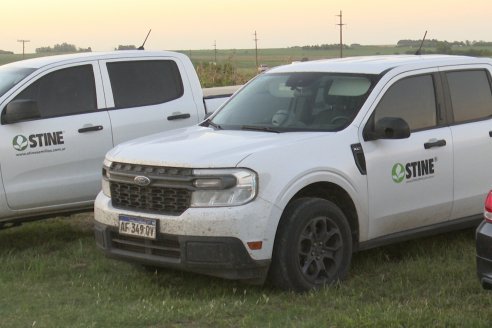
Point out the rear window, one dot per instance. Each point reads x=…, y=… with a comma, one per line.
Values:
x=144, y=83
x=471, y=96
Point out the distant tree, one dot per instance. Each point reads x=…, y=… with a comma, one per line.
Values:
x=44, y=49
x=62, y=48
x=325, y=47
x=126, y=47
x=89, y=49
x=444, y=48
x=482, y=44
x=3, y=52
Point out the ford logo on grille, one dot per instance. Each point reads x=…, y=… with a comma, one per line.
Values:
x=141, y=180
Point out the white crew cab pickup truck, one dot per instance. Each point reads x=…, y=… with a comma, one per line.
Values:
x=61, y=114
x=306, y=164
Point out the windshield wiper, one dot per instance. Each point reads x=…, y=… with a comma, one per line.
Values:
x=208, y=122
x=259, y=128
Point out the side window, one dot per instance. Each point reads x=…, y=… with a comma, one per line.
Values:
x=471, y=96
x=144, y=83
x=412, y=99
x=67, y=91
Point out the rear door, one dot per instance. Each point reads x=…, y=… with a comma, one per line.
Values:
x=56, y=159
x=147, y=95
x=469, y=97
x=410, y=181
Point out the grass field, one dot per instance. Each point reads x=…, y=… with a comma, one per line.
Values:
x=52, y=275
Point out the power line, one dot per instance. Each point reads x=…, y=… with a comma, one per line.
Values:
x=215, y=51
x=341, y=29
x=23, y=46
x=256, y=49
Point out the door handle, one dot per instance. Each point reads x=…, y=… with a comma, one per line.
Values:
x=178, y=117
x=91, y=128
x=437, y=143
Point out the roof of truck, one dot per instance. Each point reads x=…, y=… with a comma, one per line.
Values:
x=378, y=64
x=87, y=56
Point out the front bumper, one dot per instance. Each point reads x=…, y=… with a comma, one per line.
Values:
x=484, y=254
x=223, y=257
x=211, y=241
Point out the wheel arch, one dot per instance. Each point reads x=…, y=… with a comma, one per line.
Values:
x=336, y=194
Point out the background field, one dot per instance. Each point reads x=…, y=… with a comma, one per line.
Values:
x=52, y=275
x=236, y=66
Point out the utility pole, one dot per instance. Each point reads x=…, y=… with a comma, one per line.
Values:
x=256, y=49
x=341, y=29
x=215, y=51
x=23, y=46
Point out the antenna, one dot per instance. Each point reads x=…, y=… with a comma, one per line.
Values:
x=142, y=46
x=418, y=53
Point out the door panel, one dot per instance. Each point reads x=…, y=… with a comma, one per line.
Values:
x=473, y=175
x=56, y=159
x=48, y=162
x=148, y=96
x=409, y=186
x=410, y=180
x=470, y=101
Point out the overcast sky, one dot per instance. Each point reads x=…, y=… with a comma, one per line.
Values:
x=197, y=24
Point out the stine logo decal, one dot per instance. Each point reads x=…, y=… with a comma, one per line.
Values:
x=413, y=171
x=33, y=141
x=19, y=142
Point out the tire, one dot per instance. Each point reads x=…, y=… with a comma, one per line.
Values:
x=313, y=246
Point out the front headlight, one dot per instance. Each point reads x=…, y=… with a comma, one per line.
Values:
x=105, y=176
x=223, y=187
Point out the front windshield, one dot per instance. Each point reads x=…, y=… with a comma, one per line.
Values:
x=296, y=101
x=10, y=76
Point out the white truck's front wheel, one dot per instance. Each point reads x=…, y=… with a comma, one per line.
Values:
x=313, y=246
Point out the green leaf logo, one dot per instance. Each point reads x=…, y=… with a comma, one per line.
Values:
x=398, y=173
x=19, y=142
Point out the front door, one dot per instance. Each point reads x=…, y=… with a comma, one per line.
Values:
x=56, y=159
x=410, y=181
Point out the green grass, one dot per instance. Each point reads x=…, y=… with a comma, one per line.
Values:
x=52, y=275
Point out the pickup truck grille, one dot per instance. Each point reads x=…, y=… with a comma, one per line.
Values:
x=169, y=190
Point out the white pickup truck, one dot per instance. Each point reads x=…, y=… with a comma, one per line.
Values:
x=306, y=164
x=61, y=114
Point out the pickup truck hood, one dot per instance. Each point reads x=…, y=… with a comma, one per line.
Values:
x=200, y=147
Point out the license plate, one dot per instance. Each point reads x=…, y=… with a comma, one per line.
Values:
x=140, y=227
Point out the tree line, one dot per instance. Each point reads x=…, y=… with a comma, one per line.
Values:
x=71, y=48
x=434, y=43
x=62, y=48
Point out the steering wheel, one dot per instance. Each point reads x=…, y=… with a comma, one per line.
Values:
x=280, y=117
x=340, y=119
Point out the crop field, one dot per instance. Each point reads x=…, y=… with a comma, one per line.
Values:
x=243, y=61
x=52, y=275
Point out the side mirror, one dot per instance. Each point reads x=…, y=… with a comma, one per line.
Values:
x=20, y=110
x=388, y=128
